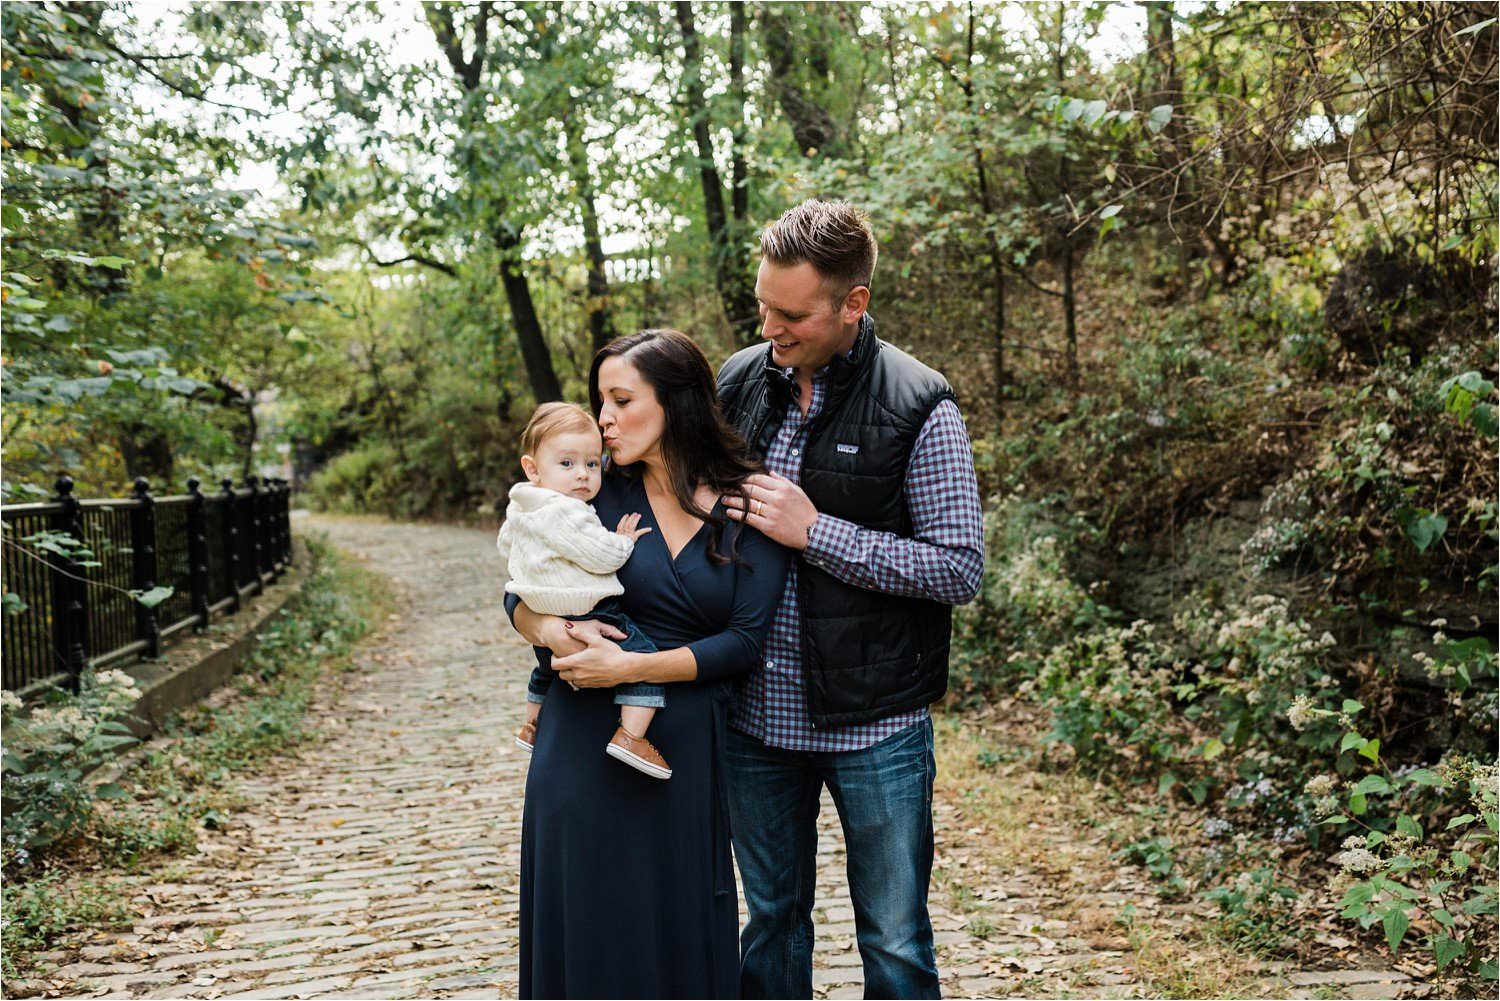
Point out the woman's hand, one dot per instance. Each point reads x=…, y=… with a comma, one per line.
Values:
x=598, y=663
x=561, y=636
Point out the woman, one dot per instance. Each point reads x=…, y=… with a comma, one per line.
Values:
x=627, y=888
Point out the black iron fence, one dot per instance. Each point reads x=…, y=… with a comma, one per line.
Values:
x=76, y=571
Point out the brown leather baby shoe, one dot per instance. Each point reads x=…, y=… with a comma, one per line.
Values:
x=526, y=737
x=638, y=753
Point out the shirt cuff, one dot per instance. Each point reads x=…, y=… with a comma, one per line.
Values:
x=829, y=541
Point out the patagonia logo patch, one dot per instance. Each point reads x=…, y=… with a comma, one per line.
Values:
x=848, y=449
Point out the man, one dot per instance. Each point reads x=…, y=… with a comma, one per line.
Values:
x=872, y=481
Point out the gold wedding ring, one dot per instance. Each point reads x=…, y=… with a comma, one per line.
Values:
x=760, y=507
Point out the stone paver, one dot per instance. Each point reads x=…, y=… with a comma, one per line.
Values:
x=382, y=861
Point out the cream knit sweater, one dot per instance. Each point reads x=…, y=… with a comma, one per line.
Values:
x=562, y=560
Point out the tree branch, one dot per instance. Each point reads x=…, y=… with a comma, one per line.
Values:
x=432, y=263
x=176, y=86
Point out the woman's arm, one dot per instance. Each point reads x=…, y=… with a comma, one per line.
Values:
x=758, y=587
x=557, y=634
x=600, y=663
x=735, y=648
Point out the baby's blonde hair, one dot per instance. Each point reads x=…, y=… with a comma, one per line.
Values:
x=553, y=419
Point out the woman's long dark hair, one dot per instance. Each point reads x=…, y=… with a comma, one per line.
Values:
x=697, y=444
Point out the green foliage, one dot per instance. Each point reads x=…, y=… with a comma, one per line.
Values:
x=115, y=362
x=1256, y=909
x=49, y=754
x=1248, y=710
x=1439, y=882
x=1156, y=856
x=1403, y=478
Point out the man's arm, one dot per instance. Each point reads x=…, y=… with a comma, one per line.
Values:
x=944, y=559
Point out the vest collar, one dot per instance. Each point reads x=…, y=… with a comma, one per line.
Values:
x=840, y=371
x=844, y=368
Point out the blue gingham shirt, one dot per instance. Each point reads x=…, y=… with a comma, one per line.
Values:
x=942, y=561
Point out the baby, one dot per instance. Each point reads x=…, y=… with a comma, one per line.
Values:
x=562, y=561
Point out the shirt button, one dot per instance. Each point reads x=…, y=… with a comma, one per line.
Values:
x=796, y=451
x=770, y=663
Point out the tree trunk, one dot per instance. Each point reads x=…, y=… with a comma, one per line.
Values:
x=739, y=191
x=1070, y=316
x=1161, y=54
x=731, y=263
x=813, y=128
x=1069, y=298
x=997, y=336
x=601, y=321
x=247, y=436
x=986, y=202
x=534, y=353
x=148, y=452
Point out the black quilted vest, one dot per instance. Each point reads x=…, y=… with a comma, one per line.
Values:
x=865, y=655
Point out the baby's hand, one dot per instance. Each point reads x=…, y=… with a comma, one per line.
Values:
x=627, y=527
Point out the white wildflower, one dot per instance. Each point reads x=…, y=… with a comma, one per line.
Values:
x=1321, y=785
x=10, y=701
x=1300, y=712
x=1357, y=860
x=1216, y=827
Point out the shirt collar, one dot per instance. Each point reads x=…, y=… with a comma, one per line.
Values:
x=850, y=359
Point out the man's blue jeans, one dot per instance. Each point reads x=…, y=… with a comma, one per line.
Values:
x=884, y=797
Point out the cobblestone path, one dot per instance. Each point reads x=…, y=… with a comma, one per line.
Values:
x=381, y=862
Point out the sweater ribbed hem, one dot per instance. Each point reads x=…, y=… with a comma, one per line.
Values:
x=562, y=600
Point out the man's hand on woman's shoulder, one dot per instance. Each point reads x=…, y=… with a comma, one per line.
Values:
x=775, y=506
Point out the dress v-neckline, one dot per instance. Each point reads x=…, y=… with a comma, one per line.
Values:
x=656, y=524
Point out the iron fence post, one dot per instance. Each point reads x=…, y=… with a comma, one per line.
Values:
x=257, y=553
x=231, y=542
x=197, y=526
x=286, y=520
x=273, y=525
x=143, y=564
x=70, y=624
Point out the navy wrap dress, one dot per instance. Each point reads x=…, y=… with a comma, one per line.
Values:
x=627, y=884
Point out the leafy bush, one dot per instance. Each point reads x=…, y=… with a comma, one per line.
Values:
x=49, y=754
x=1407, y=478
x=1251, y=708
x=355, y=482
